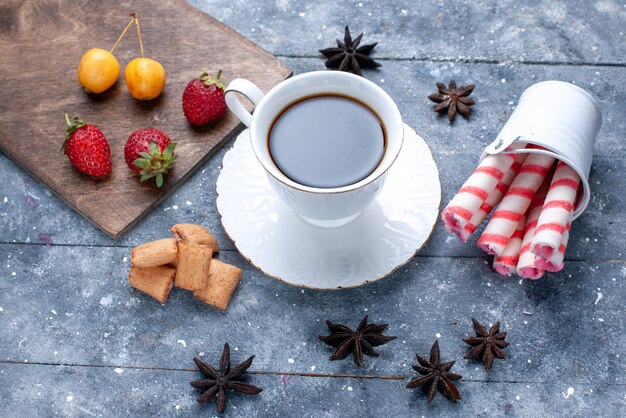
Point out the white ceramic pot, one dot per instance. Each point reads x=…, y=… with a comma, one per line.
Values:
x=561, y=118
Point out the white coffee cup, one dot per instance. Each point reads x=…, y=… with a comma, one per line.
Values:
x=323, y=207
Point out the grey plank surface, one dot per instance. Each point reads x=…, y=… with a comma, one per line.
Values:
x=76, y=340
x=46, y=390
x=75, y=306
x=572, y=31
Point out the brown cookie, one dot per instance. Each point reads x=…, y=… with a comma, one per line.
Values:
x=194, y=234
x=155, y=281
x=173, y=263
x=194, y=261
x=223, y=279
x=154, y=253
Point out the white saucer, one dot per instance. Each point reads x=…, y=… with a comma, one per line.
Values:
x=386, y=235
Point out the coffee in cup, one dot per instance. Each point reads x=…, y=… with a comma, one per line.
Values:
x=327, y=141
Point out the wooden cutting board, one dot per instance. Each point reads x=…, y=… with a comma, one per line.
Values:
x=41, y=42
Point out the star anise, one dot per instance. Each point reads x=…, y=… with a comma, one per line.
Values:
x=486, y=345
x=452, y=99
x=435, y=375
x=348, y=55
x=216, y=383
x=357, y=342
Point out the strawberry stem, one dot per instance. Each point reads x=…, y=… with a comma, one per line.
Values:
x=123, y=33
x=71, y=127
x=209, y=81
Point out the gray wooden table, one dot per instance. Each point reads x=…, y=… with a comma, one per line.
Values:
x=75, y=340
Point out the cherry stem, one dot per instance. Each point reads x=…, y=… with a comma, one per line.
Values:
x=122, y=35
x=138, y=33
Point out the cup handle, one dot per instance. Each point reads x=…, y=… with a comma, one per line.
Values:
x=247, y=89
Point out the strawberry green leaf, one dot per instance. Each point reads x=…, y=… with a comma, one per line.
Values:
x=141, y=163
x=169, y=150
x=154, y=148
x=156, y=163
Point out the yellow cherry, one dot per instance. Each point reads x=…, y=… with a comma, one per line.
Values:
x=145, y=78
x=98, y=70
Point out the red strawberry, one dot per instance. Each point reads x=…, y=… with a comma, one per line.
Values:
x=150, y=152
x=203, y=99
x=87, y=148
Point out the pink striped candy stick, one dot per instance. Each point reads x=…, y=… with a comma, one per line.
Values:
x=526, y=264
x=514, y=204
x=556, y=212
x=492, y=200
x=555, y=263
x=476, y=189
x=506, y=263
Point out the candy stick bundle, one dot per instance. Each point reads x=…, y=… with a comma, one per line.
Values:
x=532, y=197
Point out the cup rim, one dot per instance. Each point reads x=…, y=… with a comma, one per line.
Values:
x=373, y=176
